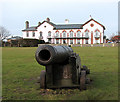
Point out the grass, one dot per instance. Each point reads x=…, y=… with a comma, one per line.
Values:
x=20, y=72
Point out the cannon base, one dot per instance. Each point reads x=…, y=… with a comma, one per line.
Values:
x=65, y=83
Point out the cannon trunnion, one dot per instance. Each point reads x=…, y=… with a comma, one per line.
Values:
x=63, y=68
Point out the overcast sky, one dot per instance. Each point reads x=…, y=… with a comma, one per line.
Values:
x=14, y=13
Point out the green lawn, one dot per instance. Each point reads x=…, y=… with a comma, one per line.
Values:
x=20, y=72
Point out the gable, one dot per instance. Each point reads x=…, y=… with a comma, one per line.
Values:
x=50, y=23
x=92, y=20
x=45, y=26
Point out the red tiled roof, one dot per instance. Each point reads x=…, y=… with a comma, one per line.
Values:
x=116, y=37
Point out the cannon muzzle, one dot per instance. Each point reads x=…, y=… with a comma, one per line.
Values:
x=47, y=54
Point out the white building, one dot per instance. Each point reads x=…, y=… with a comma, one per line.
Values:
x=90, y=32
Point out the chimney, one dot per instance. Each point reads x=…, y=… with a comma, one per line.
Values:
x=66, y=21
x=48, y=19
x=39, y=23
x=27, y=24
x=90, y=17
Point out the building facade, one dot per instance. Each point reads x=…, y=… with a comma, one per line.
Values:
x=91, y=32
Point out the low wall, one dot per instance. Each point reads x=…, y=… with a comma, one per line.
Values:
x=86, y=45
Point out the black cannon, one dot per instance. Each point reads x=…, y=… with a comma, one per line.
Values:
x=63, y=68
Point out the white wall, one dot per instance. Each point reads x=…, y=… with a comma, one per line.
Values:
x=30, y=35
x=96, y=26
x=45, y=30
x=41, y=28
x=49, y=27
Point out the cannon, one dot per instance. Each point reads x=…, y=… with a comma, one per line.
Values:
x=62, y=68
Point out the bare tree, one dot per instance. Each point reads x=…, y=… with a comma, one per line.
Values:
x=112, y=36
x=4, y=33
x=119, y=33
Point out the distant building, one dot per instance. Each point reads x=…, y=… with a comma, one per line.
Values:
x=91, y=32
x=116, y=39
x=13, y=41
x=13, y=38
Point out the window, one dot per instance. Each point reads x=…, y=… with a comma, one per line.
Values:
x=27, y=34
x=49, y=40
x=40, y=34
x=64, y=34
x=96, y=41
x=96, y=34
x=71, y=41
x=64, y=41
x=78, y=41
x=49, y=33
x=86, y=41
x=86, y=34
x=78, y=34
x=71, y=34
x=57, y=34
x=33, y=34
x=57, y=41
x=92, y=25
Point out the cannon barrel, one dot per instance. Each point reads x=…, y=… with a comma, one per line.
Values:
x=47, y=54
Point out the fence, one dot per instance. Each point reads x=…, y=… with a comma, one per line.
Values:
x=87, y=45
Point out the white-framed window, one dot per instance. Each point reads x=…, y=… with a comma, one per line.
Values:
x=87, y=34
x=57, y=34
x=57, y=41
x=71, y=41
x=97, y=33
x=33, y=34
x=78, y=41
x=71, y=33
x=49, y=33
x=64, y=41
x=78, y=34
x=49, y=40
x=40, y=34
x=27, y=34
x=86, y=41
x=96, y=41
x=64, y=34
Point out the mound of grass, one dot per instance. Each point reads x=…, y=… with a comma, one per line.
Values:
x=20, y=72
